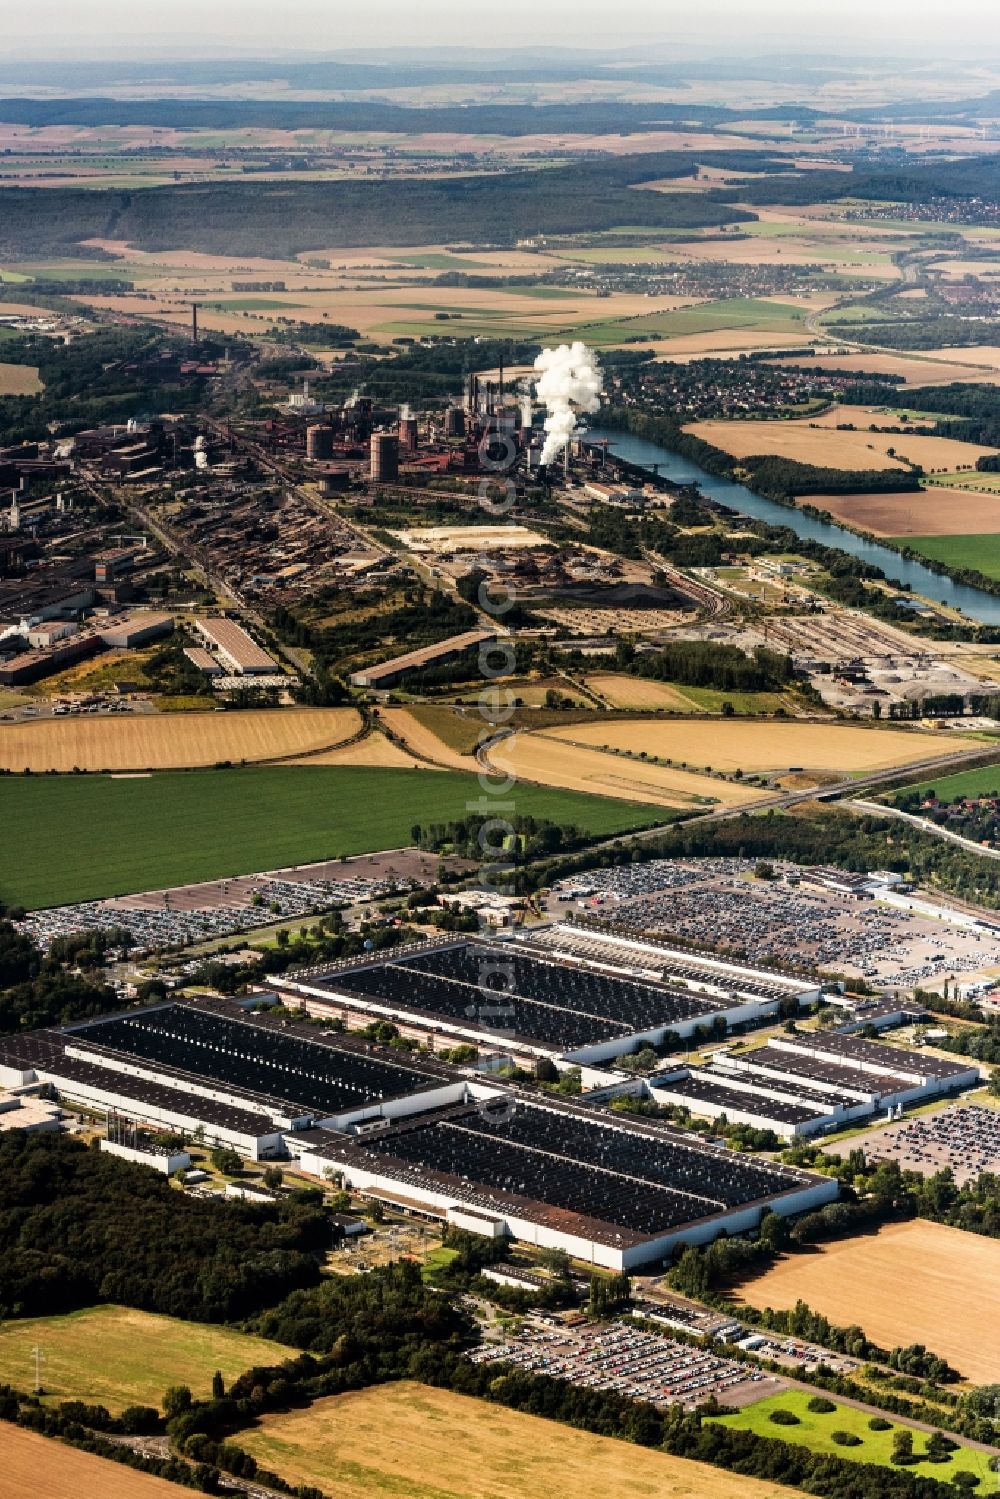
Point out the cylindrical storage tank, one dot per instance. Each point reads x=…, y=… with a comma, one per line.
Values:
x=408, y=433
x=319, y=444
x=454, y=422
x=385, y=456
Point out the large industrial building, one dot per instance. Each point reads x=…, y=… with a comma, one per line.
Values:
x=238, y=651
x=417, y=1133
x=805, y=1084
x=561, y=992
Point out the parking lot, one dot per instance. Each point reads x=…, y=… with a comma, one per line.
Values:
x=718, y=902
x=963, y=1139
x=176, y=918
x=645, y=1365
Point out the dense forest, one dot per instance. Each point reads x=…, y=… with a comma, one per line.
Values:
x=285, y=218
x=78, y=1227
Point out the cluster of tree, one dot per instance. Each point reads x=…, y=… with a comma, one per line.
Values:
x=286, y=218
x=79, y=1227
x=526, y=838
x=800, y=1321
x=916, y=182
x=169, y=671
x=38, y=990
x=108, y=374
x=319, y=335
x=981, y=1045
x=707, y=663
x=589, y=117
x=418, y=617
x=324, y=942
x=933, y=332
x=608, y=1293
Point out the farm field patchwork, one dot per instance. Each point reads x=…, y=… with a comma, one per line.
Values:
x=827, y=447
x=761, y=746
x=178, y=827
x=414, y=1442
x=35, y=1465
x=548, y=758
x=113, y=1356
x=923, y=513
x=172, y=741
x=952, y=1281
x=437, y=734
x=623, y=691
x=867, y=417
x=814, y=1431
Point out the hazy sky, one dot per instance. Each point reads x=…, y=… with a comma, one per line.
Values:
x=106, y=26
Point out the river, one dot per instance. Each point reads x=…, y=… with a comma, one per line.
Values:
x=973, y=602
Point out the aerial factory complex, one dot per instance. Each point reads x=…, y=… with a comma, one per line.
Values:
x=500, y=754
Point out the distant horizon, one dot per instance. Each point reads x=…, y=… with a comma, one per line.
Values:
x=243, y=30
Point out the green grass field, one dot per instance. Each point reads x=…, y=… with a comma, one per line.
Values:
x=814, y=1431
x=110, y=1355
x=981, y=552
x=982, y=782
x=83, y=837
x=712, y=699
x=986, y=482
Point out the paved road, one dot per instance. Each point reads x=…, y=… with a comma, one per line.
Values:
x=925, y=825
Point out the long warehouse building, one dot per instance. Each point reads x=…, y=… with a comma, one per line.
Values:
x=557, y=992
x=416, y=1132
x=809, y=1083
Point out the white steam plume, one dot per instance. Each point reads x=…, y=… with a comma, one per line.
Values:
x=571, y=382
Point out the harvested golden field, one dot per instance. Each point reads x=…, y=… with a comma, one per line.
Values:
x=414, y=1442
x=980, y=356
x=173, y=741
x=866, y=417
x=916, y=369
x=952, y=1281
x=545, y=757
x=424, y=742
x=373, y=749
x=35, y=1466
x=114, y=1356
x=19, y=380
x=723, y=341
x=928, y=512
x=806, y=442
x=738, y=745
x=637, y=692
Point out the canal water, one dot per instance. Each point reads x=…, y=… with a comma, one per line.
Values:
x=972, y=602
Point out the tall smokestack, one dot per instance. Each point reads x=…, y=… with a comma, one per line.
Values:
x=501, y=382
x=194, y=322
